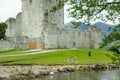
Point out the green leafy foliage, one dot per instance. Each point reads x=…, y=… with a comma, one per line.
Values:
x=116, y=59
x=114, y=46
x=86, y=11
x=76, y=23
x=112, y=43
x=60, y=4
x=3, y=27
x=90, y=10
x=113, y=36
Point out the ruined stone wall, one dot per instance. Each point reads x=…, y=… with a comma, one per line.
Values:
x=11, y=27
x=14, y=26
x=70, y=38
x=6, y=45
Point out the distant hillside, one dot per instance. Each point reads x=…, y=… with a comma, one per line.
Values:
x=103, y=26
x=99, y=25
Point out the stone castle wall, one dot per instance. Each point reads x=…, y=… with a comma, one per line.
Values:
x=72, y=38
x=33, y=27
x=14, y=26
x=24, y=42
x=6, y=45
x=30, y=22
x=32, y=16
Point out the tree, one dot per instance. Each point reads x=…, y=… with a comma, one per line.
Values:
x=112, y=37
x=3, y=27
x=90, y=10
x=112, y=41
x=115, y=59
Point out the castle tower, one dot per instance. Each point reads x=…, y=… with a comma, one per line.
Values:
x=37, y=15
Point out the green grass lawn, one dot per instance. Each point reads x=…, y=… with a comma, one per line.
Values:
x=14, y=51
x=60, y=57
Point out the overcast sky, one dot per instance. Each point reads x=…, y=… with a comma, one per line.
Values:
x=10, y=8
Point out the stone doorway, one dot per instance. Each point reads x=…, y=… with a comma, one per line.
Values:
x=42, y=45
x=74, y=44
x=33, y=45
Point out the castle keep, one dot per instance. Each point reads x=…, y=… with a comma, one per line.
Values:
x=39, y=27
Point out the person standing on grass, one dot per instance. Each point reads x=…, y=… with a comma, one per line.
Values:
x=89, y=53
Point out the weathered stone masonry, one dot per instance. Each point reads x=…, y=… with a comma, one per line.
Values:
x=33, y=28
x=72, y=38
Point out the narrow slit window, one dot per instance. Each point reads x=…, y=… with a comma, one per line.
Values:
x=30, y=1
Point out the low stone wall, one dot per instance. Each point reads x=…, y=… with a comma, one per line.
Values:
x=6, y=45
x=7, y=72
